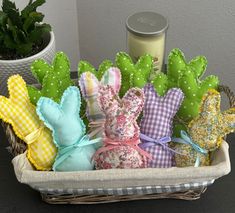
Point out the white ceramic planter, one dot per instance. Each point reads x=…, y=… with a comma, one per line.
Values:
x=22, y=66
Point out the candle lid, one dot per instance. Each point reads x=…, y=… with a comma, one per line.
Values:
x=147, y=23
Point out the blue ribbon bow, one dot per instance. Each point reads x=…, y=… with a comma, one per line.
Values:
x=186, y=139
x=65, y=151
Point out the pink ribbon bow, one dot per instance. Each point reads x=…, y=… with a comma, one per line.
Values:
x=110, y=144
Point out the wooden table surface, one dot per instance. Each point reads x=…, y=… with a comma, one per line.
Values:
x=16, y=197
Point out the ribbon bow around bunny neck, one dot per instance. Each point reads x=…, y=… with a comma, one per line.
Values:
x=110, y=144
x=186, y=139
x=147, y=141
x=65, y=151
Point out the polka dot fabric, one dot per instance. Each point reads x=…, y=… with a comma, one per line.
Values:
x=21, y=114
x=54, y=78
x=187, y=77
x=158, y=114
x=134, y=75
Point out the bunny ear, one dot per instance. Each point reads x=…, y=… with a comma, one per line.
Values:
x=210, y=105
x=112, y=77
x=89, y=84
x=174, y=98
x=17, y=89
x=134, y=101
x=71, y=101
x=228, y=121
x=107, y=98
x=49, y=112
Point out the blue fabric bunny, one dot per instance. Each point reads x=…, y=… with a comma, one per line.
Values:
x=75, y=149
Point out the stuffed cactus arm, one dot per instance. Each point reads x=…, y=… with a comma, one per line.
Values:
x=105, y=65
x=198, y=65
x=176, y=63
x=160, y=83
x=210, y=82
x=39, y=69
x=51, y=87
x=124, y=63
x=145, y=65
x=34, y=94
x=61, y=63
x=84, y=66
x=138, y=80
x=189, y=84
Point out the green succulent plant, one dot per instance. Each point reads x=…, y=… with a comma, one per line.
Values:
x=21, y=31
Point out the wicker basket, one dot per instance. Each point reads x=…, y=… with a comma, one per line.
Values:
x=187, y=192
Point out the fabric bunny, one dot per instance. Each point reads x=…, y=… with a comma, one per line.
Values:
x=21, y=114
x=205, y=132
x=121, y=134
x=156, y=125
x=75, y=150
x=89, y=85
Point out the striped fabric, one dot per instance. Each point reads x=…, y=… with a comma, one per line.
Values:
x=138, y=190
x=20, y=113
x=89, y=85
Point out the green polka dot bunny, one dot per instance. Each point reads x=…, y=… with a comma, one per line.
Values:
x=187, y=77
x=134, y=75
x=54, y=78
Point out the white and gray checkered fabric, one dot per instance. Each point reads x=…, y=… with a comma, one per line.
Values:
x=22, y=67
x=157, y=122
x=139, y=190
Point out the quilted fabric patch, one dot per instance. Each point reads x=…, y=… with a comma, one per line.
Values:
x=75, y=150
x=120, y=148
x=206, y=131
x=157, y=122
x=21, y=114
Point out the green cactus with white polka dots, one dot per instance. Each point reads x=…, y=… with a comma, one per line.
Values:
x=54, y=79
x=85, y=66
x=133, y=75
x=186, y=76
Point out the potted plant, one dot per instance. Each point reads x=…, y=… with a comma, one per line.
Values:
x=23, y=39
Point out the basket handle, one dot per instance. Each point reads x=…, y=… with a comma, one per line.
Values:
x=229, y=94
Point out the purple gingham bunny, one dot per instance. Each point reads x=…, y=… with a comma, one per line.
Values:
x=156, y=125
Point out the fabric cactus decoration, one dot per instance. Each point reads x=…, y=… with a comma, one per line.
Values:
x=133, y=75
x=186, y=76
x=85, y=66
x=54, y=78
x=205, y=132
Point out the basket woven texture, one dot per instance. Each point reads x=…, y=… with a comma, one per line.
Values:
x=17, y=146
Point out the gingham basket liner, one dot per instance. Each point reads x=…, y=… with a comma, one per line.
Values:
x=139, y=190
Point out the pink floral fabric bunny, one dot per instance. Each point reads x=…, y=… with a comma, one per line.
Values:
x=121, y=135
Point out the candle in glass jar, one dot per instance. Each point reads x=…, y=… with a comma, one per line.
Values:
x=146, y=32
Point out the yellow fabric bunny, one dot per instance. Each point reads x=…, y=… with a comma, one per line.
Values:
x=205, y=132
x=21, y=114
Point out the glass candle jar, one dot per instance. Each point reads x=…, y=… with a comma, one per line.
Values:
x=146, y=34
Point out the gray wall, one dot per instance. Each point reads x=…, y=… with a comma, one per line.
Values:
x=197, y=27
